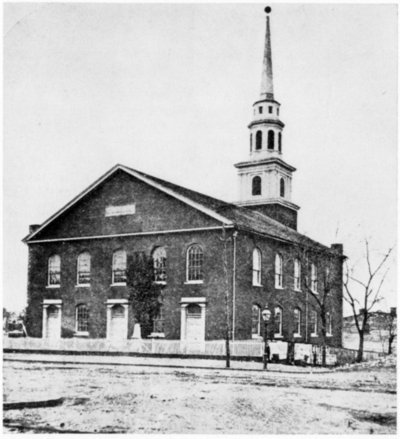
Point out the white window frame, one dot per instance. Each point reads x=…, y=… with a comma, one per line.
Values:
x=51, y=271
x=78, y=283
x=297, y=275
x=314, y=278
x=278, y=271
x=256, y=268
x=314, y=320
x=194, y=281
x=278, y=309
x=115, y=253
x=298, y=329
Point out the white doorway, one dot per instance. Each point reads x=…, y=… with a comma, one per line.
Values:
x=193, y=320
x=117, y=319
x=52, y=319
x=194, y=323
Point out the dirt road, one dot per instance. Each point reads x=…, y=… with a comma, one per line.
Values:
x=139, y=399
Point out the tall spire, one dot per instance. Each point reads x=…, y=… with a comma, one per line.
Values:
x=267, y=86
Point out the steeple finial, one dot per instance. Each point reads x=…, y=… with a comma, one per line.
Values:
x=267, y=86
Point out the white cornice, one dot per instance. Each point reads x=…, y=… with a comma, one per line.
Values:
x=268, y=201
x=121, y=235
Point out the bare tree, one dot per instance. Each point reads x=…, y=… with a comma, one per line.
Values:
x=371, y=292
x=389, y=328
x=319, y=287
x=392, y=328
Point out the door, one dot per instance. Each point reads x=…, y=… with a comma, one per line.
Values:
x=53, y=328
x=118, y=329
x=194, y=323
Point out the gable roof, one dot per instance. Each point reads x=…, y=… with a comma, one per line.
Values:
x=228, y=214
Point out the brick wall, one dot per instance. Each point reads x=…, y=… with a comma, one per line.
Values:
x=157, y=211
x=283, y=214
x=286, y=298
x=100, y=289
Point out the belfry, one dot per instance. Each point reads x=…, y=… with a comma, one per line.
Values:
x=265, y=180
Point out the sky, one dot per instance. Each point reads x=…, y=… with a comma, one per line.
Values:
x=168, y=89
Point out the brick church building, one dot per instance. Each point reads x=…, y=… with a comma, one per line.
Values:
x=217, y=263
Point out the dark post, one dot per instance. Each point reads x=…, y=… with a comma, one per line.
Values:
x=266, y=314
x=266, y=347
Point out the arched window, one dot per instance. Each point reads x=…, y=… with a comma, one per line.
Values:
x=271, y=140
x=314, y=323
x=282, y=187
x=297, y=321
x=297, y=275
x=159, y=264
x=83, y=269
x=328, y=324
x=278, y=321
x=258, y=140
x=82, y=319
x=280, y=142
x=278, y=271
x=54, y=270
x=194, y=264
x=255, y=321
x=314, y=278
x=256, y=185
x=256, y=267
x=251, y=142
x=119, y=267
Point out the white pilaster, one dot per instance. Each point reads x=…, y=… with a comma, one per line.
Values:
x=183, y=320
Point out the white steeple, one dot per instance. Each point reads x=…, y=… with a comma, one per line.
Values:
x=267, y=85
x=265, y=180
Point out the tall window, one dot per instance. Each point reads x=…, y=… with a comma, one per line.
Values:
x=328, y=324
x=194, y=263
x=256, y=185
x=82, y=318
x=278, y=321
x=314, y=323
x=271, y=140
x=258, y=140
x=314, y=278
x=83, y=275
x=119, y=267
x=255, y=320
x=256, y=267
x=282, y=187
x=159, y=264
x=54, y=270
x=297, y=275
x=251, y=142
x=297, y=321
x=280, y=142
x=278, y=271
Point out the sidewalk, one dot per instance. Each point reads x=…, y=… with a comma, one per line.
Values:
x=186, y=363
